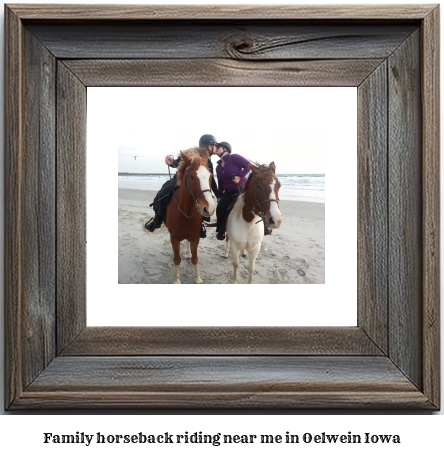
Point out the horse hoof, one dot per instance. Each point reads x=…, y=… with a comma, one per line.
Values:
x=198, y=280
x=177, y=281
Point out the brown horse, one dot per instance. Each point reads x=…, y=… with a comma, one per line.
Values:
x=258, y=203
x=192, y=200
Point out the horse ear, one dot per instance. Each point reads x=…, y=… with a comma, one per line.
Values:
x=273, y=167
x=185, y=158
x=206, y=155
x=253, y=168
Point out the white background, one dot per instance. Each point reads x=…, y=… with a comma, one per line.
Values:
x=18, y=433
x=296, y=111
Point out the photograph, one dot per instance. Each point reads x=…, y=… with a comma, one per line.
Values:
x=257, y=199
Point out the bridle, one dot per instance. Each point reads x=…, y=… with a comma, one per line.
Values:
x=261, y=212
x=192, y=194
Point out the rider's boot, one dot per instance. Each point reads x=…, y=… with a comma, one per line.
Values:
x=155, y=223
x=203, y=231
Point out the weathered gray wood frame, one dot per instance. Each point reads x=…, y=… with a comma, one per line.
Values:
x=390, y=360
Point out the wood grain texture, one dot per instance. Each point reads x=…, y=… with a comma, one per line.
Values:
x=372, y=207
x=71, y=206
x=127, y=341
x=209, y=72
x=13, y=207
x=405, y=209
x=242, y=40
x=234, y=382
x=430, y=94
x=220, y=12
x=208, y=373
x=39, y=207
x=30, y=227
x=246, y=401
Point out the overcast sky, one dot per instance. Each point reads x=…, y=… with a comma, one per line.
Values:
x=290, y=126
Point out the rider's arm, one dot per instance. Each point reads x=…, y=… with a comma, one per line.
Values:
x=242, y=163
x=172, y=162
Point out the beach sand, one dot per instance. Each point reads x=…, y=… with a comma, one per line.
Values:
x=293, y=253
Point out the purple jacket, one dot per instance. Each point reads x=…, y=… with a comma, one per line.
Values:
x=234, y=164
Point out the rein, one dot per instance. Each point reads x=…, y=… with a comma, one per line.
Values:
x=192, y=194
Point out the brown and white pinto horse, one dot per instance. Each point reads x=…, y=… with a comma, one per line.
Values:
x=258, y=204
x=192, y=200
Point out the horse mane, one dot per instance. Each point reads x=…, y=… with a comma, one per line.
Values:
x=261, y=170
x=198, y=157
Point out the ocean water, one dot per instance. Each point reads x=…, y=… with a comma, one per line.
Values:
x=305, y=187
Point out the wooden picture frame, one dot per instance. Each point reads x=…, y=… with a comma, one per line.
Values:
x=389, y=360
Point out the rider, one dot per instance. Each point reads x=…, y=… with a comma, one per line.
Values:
x=165, y=193
x=231, y=171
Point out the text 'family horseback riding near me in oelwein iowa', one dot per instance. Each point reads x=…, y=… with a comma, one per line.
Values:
x=219, y=438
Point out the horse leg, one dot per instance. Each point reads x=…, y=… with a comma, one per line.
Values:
x=177, y=259
x=193, y=245
x=236, y=261
x=189, y=249
x=227, y=247
x=252, y=262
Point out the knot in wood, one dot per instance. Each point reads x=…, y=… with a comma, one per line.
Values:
x=239, y=45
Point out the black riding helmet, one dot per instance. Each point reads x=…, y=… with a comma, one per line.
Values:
x=206, y=140
x=225, y=145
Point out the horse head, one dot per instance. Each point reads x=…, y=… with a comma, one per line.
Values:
x=194, y=174
x=263, y=187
